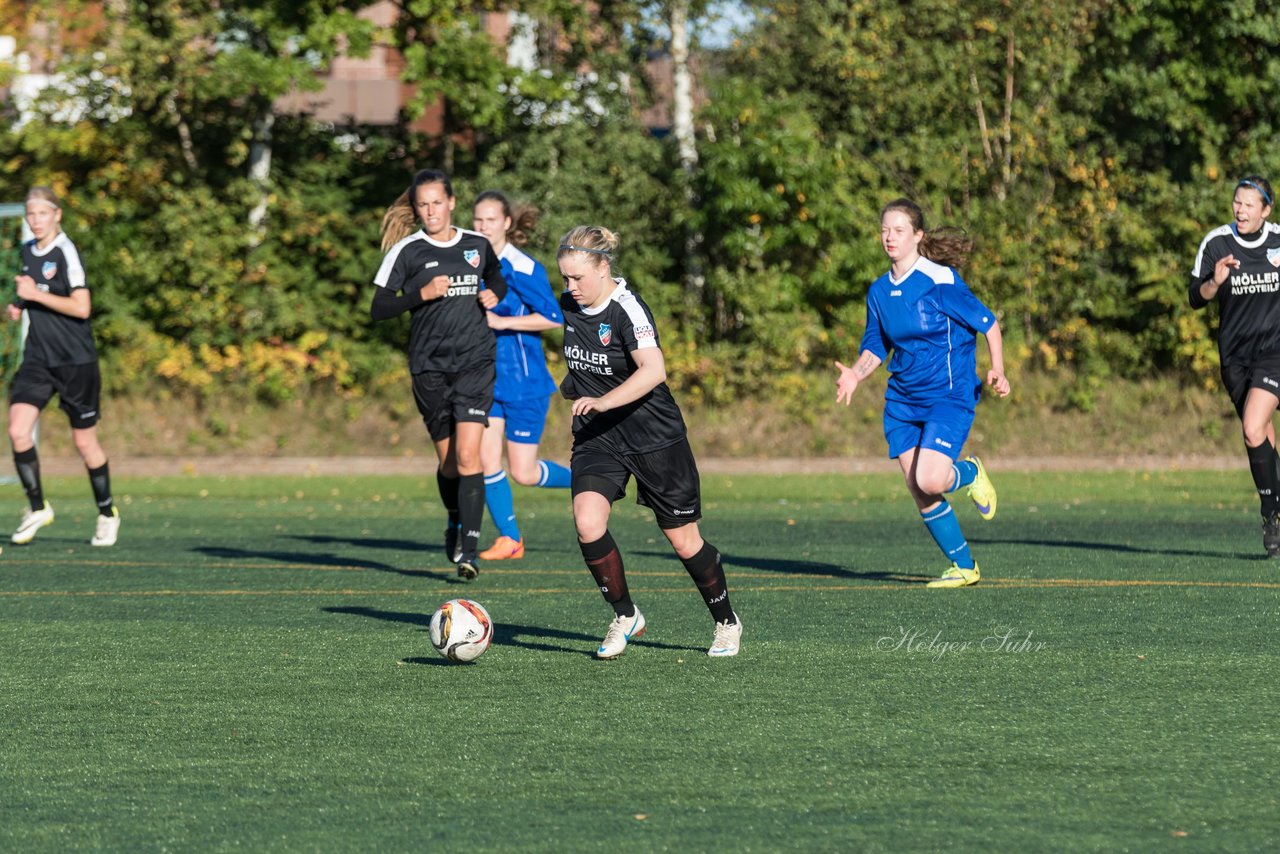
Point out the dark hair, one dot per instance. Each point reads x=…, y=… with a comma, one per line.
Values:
x=399, y=221
x=1262, y=185
x=947, y=245
x=523, y=222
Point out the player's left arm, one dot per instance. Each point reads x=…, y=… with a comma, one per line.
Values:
x=995, y=346
x=650, y=372
x=495, y=285
x=962, y=306
x=78, y=304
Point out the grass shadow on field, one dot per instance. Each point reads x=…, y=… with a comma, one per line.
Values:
x=369, y=542
x=320, y=560
x=809, y=568
x=506, y=634
x=1118, y=547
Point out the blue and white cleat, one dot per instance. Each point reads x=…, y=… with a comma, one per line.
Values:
x=621, y=630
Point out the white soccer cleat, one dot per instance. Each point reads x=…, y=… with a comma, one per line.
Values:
x=32, y=521
x=108, y=529
x=727, y=639
x=621, y=630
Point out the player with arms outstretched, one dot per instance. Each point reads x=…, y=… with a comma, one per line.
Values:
x=924, y=313
x=627, y=425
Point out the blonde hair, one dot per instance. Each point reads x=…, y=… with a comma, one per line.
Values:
x=44, y=194
x=400, y=220
x=597, y=243
x=950, y=246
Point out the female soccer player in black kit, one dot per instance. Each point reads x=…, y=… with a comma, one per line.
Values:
x=59, y=357
x=1239, y=266
x=445, y=277
x=626, y=424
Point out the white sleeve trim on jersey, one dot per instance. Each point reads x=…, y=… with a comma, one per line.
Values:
x=389, y=260
x=520, y=262
x=941, y=275
x=1220, y=231
x=75, y=271
x=646, y=338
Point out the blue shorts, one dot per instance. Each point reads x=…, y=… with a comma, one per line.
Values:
x=942, y=427
x=524, y=418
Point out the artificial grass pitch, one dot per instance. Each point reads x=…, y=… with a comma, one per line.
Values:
x=250, y=668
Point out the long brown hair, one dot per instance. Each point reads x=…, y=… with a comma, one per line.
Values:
x=524, y=219
x=947, y=245
x=400, y=220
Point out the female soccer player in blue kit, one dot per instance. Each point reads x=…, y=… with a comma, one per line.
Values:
x=924, y=312
x=524, y=387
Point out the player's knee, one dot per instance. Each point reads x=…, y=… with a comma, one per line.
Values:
x=524, y=475
x=1255, y=434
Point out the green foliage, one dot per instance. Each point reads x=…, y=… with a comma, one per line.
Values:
x=1087, y=146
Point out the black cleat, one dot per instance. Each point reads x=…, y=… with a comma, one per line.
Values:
x=1271, y=535
x=453, y=543
x=468, y=567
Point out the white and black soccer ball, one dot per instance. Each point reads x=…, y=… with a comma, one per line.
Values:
x=461, y=630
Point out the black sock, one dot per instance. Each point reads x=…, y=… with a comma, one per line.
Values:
x=28, y=465
x=470, y=511
x=100, y=479
x=605, y=562
x=1262, y=465
x=705, y=570
x=448, y=496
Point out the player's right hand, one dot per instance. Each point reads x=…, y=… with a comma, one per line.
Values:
x=435, y=288
x=846, y=384
x=15, y=313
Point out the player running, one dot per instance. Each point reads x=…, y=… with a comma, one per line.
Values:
x=924, y=312
x=524, y=387
x=626, y=424
x=445, y=277
x=59, y=358
x=1239, y=266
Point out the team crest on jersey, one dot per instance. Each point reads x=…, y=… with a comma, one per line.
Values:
x=50, y=269
x=472, y=256
x=606, y=334
x=1273, y=255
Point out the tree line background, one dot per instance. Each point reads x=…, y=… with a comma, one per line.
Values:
x=1087, y=145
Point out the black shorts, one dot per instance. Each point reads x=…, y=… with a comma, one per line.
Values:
x=1263, y=373
x=666, y=480
x=78, y=388
x=445, y=399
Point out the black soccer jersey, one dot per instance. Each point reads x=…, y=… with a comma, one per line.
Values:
x=1249, y=300
x=55, y=339
x=450, y=333
x=598, y=344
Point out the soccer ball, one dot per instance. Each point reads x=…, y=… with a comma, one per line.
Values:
x=461, y=630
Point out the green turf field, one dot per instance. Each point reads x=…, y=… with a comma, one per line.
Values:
x=250, y=669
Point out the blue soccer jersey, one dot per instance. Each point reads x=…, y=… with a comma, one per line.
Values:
x=929, y=319
x=522, y=364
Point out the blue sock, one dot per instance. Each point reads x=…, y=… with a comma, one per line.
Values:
x=497, y=497
x=964, y=472
x=945, y=528
x=553, y=475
